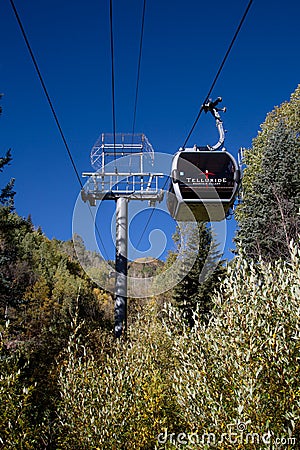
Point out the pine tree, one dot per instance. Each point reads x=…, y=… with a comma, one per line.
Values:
x=269, y=216
x=195, y=289
x=15, y=270
x=7, y=193
x=287, y=113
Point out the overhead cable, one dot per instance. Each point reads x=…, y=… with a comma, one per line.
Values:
x=150, y=216
x=34, y=61
x=112, y=74
x=139, y=69
x=205, y=101
x=219, y=71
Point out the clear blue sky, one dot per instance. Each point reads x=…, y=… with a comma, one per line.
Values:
x=184, y=43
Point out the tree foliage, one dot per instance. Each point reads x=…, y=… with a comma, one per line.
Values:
x=7, y=193
x=122, y=398
x=243, y=368
x=288, y=114
x=65, y=383
x=269, y=214
x=68, y=385
x=235, y=377
x=195, y=290
x=41, y=288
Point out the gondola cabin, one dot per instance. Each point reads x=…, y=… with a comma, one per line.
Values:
x=203, y=185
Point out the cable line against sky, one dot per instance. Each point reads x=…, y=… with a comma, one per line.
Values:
x=205, y=101
x=150, y=217
x=219, y=71
x=139, y=69
x=34, y=61
x=113, y=87
x=112, y=75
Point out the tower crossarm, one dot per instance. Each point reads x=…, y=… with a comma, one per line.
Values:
x=133, y=186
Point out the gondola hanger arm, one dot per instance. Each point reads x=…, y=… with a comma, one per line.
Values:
x=211, y=107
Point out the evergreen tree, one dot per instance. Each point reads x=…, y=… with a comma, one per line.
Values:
x=195, y=289
x=7, y=193
x=269, y=215
x=287, y=113
x=15, y=270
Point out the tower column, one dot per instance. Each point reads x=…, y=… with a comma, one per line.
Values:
x=121, y=266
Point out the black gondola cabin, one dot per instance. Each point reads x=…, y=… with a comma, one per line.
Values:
x=204, y=184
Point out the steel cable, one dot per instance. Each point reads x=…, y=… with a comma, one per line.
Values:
x=206, y=98
x=219, y=71
x=34, y=61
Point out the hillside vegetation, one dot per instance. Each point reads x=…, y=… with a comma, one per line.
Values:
x=206, y=365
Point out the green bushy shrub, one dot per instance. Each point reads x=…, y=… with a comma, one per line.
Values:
x=240, y=374
x=16, y=431
x=120, y=400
